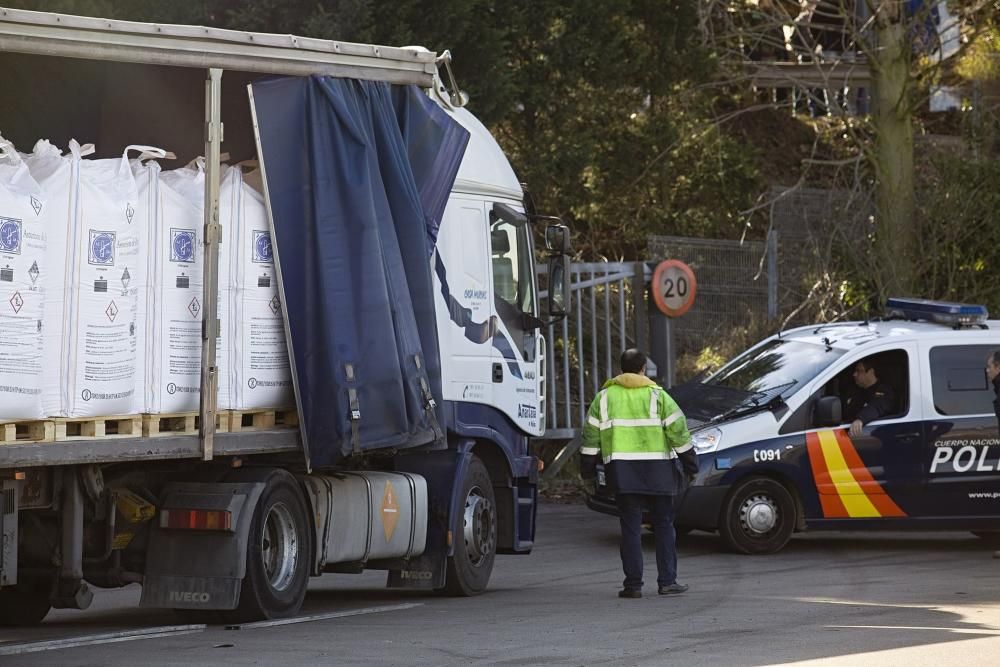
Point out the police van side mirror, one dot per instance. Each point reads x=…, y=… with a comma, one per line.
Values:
x=828, y=411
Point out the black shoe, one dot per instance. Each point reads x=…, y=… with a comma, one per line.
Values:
x=673, y=589
x=629, y=593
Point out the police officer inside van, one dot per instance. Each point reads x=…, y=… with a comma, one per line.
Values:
x=873, y=399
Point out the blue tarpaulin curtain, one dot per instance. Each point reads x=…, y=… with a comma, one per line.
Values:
x=357, y=177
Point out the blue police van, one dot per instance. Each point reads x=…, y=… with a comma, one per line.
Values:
x=775, y=450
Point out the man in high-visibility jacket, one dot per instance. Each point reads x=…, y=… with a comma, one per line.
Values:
x=642, y=437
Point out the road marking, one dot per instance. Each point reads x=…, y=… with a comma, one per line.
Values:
x=105, y=638
x=960, y=631
x=323, y=617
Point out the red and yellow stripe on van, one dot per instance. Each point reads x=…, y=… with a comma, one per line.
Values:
x=846, y=488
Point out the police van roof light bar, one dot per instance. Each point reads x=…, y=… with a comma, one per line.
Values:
x=941, y=312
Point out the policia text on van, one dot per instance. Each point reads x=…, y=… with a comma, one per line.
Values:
x=775, y=453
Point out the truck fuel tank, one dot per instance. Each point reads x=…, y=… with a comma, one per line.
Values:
x=367, y=515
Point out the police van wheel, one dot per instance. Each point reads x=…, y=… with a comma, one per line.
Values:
x=475, y=535
x=277, y=572
x=758, y=517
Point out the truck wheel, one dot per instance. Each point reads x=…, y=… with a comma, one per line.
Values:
x=758, y=517
x=23, y=605
x=278, y=554
x=475, y=535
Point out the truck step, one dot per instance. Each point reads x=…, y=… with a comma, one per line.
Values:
x=34, y=430
x=89, y=428
x=262, y=420
x=179, y=423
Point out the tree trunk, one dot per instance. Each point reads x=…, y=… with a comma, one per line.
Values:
x=895, y=232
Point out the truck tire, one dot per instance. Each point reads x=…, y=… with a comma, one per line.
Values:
x=278, y=554
x=23, y=605
x=475, y=534
x=758, y=517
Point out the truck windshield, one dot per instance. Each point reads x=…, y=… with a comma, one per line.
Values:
x=783, y=364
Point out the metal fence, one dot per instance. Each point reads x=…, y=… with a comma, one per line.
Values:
x=583, y=349
x=736, y=282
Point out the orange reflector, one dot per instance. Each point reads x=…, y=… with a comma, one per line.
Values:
x=449, y=539
x=179, y=519
x=19, y=475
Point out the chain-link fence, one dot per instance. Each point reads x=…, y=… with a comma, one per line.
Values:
x=811, y=225
x=736, y=282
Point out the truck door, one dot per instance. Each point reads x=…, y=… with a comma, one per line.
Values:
x=962, y=451
x=878, y=474
x=517, y=341
x=464, y=310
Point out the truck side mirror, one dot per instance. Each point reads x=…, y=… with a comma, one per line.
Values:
x=557, y=239
x=828, y=411
x=559, y=284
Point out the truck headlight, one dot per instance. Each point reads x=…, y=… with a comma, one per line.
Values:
x=707, y=440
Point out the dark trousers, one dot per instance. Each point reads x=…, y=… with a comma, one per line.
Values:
x=661, y=510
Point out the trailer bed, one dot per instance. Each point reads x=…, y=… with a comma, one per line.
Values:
x=119, y=450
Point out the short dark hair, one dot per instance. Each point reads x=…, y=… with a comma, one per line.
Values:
x=995, y=356
x=632, y=361
x=868, y=365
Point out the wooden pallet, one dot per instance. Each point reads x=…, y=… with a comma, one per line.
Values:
x=33, y=430
x=179, y=423
x=89, y=428
x=262, y=420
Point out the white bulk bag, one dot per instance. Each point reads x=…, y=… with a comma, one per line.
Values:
x=108, y=264
x=261, y=373
x=175, y=307
x=23, y=226
x=176, y=374
x=56, y=174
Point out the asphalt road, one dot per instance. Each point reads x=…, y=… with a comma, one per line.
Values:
x=844, y=598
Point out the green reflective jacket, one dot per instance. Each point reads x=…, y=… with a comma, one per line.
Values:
x=637, y=430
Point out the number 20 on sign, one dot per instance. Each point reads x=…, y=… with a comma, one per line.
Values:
x=674, y=287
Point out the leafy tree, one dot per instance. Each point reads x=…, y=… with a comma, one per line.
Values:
x=610, y=129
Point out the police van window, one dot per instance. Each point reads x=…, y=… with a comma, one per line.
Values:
x=782, y=365
x=958, y=379
x=891, y=369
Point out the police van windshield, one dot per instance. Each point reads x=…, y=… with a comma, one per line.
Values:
x=753, y=381
x=778, y=367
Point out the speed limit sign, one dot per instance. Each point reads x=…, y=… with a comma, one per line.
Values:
x=674, y=287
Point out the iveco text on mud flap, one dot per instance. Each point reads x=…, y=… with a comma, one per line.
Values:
x=773, y=439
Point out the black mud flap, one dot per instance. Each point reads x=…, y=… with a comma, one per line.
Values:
x=427, y=571
x=200, y=569
x=191, y=592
